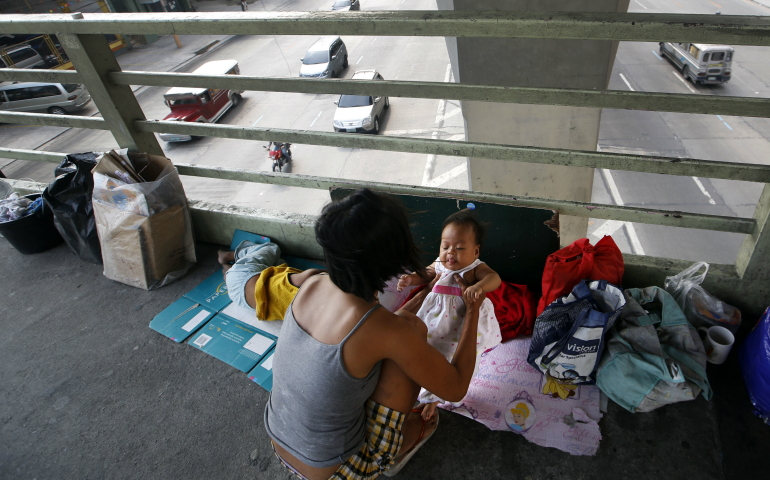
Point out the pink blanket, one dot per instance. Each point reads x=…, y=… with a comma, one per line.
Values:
x=507, y=394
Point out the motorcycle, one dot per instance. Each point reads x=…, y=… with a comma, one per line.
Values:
x=280, y=153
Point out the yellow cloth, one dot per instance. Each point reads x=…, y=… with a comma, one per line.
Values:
x=274, y=292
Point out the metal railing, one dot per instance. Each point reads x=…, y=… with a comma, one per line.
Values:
x=84, y=42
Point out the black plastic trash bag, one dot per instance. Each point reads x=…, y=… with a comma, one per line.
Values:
x=69, y=196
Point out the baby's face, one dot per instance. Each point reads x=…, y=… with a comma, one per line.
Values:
x=458, y=247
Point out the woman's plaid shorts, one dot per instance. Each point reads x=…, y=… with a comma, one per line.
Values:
x=383, y=440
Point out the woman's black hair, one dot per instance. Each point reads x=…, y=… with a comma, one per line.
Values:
x=366, y=241
x=466, y=218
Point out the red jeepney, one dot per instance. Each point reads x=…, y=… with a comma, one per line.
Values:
x=204, y=105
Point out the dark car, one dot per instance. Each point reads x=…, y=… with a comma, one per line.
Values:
x=346, y=5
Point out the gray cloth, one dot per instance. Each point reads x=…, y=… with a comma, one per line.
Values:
x=316, y=407
x=654, y=357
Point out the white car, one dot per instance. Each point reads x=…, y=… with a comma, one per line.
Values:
x=360, y=113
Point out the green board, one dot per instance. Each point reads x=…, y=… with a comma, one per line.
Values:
x=518, y=239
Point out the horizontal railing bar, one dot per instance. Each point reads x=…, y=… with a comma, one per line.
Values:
x=549, y=156
x=564, y=207
x=34, y=155
x=72, y=121
x=661, y=102
x=33, y=75
x=643, y=27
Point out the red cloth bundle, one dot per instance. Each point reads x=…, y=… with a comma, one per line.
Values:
x=580, y=260
x=515, y=309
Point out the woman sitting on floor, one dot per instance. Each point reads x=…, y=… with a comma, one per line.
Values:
x=346, y=373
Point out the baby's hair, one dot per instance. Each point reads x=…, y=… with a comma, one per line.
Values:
x=466, y=218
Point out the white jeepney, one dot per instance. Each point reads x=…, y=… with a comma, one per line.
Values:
x=700, y=62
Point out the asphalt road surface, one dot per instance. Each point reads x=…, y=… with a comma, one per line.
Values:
x=638, y=67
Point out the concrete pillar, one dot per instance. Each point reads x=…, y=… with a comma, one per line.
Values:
x=582, y=64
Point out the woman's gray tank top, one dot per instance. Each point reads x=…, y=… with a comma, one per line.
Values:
x=316, y=407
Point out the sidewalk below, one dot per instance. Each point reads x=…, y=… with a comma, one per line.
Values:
x=89, y=391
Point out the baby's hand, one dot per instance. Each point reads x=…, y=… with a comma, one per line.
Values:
x=472, y=294
x=404, y=282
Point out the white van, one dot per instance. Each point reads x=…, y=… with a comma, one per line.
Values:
x=21, y=56
x=55, y=98
x=700, y=62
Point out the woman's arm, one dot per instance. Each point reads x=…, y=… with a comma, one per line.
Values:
x=422, y=363
x=487, y=280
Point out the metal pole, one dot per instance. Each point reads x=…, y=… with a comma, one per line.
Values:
x=93, y=60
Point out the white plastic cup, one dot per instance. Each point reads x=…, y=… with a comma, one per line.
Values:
x=718, y=342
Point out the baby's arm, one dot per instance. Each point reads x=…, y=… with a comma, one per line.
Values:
x=416, y=279
x=487, y=280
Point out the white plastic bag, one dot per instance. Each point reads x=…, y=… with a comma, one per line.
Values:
x=700, y=307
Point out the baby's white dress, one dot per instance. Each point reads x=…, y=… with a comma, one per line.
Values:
x=439, y=313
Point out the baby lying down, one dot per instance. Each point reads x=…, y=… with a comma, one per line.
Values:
x=257, y=278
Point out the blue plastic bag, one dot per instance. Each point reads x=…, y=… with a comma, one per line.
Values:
x=755, y=365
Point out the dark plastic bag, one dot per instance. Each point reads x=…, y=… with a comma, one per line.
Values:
x=69, y=197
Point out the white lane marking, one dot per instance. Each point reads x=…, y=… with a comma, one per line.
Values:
x=637, y=1
x=359, y=60
x=636, y=245
x=316, y=118
x=703, y=190
x=683, y=80
x=447, y=176
x=622, y=77
x=260, y=118
x=608, y=228
x=430, y=164
x=728, y=126
x=656, y=54
x=454, y=112
x=402, y=2
x=375, y=39
x=720, y=118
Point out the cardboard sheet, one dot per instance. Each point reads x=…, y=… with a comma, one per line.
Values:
x=233, y=342
x=231, y=333
x=262, y=374
x=180, y=319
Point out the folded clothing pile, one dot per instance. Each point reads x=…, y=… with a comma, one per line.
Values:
x=15, y=207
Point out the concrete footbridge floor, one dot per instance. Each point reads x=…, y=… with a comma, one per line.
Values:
x=87, y=390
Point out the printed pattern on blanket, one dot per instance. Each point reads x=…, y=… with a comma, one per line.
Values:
x=507, y=395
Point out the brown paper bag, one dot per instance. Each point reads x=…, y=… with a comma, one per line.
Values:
x=144, y=226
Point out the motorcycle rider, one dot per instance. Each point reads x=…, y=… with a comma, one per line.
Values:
x=282, y=147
